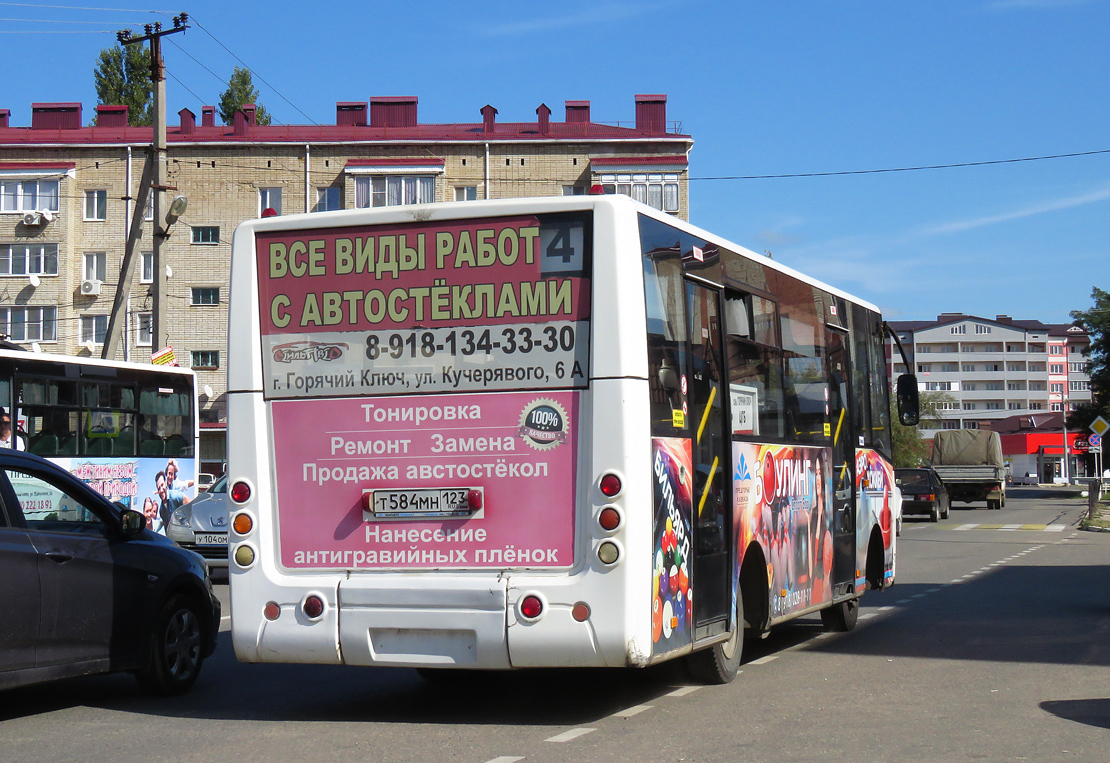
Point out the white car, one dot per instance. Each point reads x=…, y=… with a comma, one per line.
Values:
x=201, y=524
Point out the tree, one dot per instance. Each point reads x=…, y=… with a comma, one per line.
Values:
x=1096, y=322
x=122, y=78
x=241, y=90
x=910, y=448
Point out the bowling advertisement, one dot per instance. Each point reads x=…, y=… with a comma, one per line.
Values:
x=672, y=608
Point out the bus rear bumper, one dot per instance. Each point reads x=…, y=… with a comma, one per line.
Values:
x=460, y=624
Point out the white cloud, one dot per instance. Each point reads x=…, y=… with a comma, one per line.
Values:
x=1054, y=205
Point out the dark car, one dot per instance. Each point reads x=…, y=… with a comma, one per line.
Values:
x=86, y=588
x=923, y=493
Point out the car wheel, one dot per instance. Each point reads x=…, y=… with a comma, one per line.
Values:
x=720, y=663
x=934, y=512
x=898, y=530
x=176, y=652
x=841, y=617
x=947, y=510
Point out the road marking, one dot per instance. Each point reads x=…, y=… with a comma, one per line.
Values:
x=682, y=691
x=1053, y=528
x=1015, y=527
x=764, y=660
x=506, y=759
x=917, y=596
x=966, y=527
x=867, y=616
x=567, y=736
x=628, y=712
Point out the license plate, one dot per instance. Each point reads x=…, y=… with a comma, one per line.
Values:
x=211, y=539
x=421, y=502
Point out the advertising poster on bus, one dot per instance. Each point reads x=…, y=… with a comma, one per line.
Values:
x=445, y=481
x=430, y=307
x=782, y=501
x=875, y=490
x=155, y=486
x=672, y=605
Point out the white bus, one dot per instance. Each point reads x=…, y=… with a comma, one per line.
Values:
x=128, y=430
x=544, y=432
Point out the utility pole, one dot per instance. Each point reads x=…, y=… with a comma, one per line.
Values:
x=156, y=161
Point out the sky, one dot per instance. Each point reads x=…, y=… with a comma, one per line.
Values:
x=833, y=93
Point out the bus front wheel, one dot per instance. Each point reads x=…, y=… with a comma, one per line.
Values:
x=720, y=663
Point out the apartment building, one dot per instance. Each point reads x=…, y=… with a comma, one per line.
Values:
x=1012, y=376
x=68, y=192
x=995, y=368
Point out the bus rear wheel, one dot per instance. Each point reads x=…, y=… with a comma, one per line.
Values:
x=720, y=663
x=841, y=617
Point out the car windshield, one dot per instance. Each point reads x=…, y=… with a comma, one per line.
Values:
x=913, y=478
x=219, y=486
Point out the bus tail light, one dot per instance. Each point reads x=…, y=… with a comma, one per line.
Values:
x=272, y=610
x=531, y=606
x=244, y=556
x=312, y=606
x=610, y=485
x=240, y=492
x=581, y=612
x=608, y=552
x=609, y=518
x=242, y=523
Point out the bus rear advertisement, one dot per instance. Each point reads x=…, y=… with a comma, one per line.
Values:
x=545, y=432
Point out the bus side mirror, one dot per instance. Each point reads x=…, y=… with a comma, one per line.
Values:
x=909, y=406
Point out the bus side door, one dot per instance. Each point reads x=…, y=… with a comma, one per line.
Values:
x=843, y=457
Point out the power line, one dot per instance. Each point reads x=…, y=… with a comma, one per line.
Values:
x=255, y=74
x=905, y=169
x=83, y=8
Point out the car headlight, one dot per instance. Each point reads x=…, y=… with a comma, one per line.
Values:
x=179, y=518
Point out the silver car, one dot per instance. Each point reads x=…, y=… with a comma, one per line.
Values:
x=201, y=524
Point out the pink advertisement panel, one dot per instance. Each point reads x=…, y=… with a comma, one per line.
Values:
x=875, y=490
x=445, y=306
x=447, y=481
x=782, y=501
x=672, y=608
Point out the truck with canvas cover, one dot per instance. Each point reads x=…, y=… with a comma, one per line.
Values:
x=969, y=463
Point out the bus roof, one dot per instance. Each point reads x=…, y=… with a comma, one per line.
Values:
x=461, y=210
x=49, y=357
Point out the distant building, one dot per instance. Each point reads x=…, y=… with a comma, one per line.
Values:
x=1000, y=370
x=67, y=192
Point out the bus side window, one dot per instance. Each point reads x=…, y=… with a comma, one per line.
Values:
x=754, y=369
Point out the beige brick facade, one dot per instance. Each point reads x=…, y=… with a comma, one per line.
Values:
x=221, y=172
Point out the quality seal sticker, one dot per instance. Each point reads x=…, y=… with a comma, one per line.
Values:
x=544, y=424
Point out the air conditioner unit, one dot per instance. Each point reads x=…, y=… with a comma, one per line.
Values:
x=90, y=288
x=32, y=218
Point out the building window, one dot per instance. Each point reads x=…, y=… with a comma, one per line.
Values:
x=1056, y=368
x=206, y=234
x=269, y=198
x=994, y=406
x=1037, y=385
x=1036, y=406
x=395, y=190
x=94, y=328
x=466, y=192
x=95, y=264
x=924, y=368
x=969, y=406
x=28, y=195
x=148, y=213
x=1054, y=387
x=1079, y=386
x=1014, y=406
x=1056, y=349
x=29, y=324
x=1056, y=407
x=655, y=190
x=950, y=425
x=971, y=425
x=1079, y=368
x=938, y=386
x=981, y=329
x=959, y=329
x=96, y=205
x=328, y=199
x=206, y=359
x=1015, y=385
x=574, y=190
x=969, y=368
x=146, y=267
x=27, y=259
x=206, y=295
x=144, y=329
x=970, y=386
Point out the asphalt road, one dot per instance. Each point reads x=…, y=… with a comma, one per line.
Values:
x=992, y=646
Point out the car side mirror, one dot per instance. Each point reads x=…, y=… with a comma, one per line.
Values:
x=133, y=522
x=909, y=405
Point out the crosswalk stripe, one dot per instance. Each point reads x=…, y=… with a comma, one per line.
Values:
x=1053, y=528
